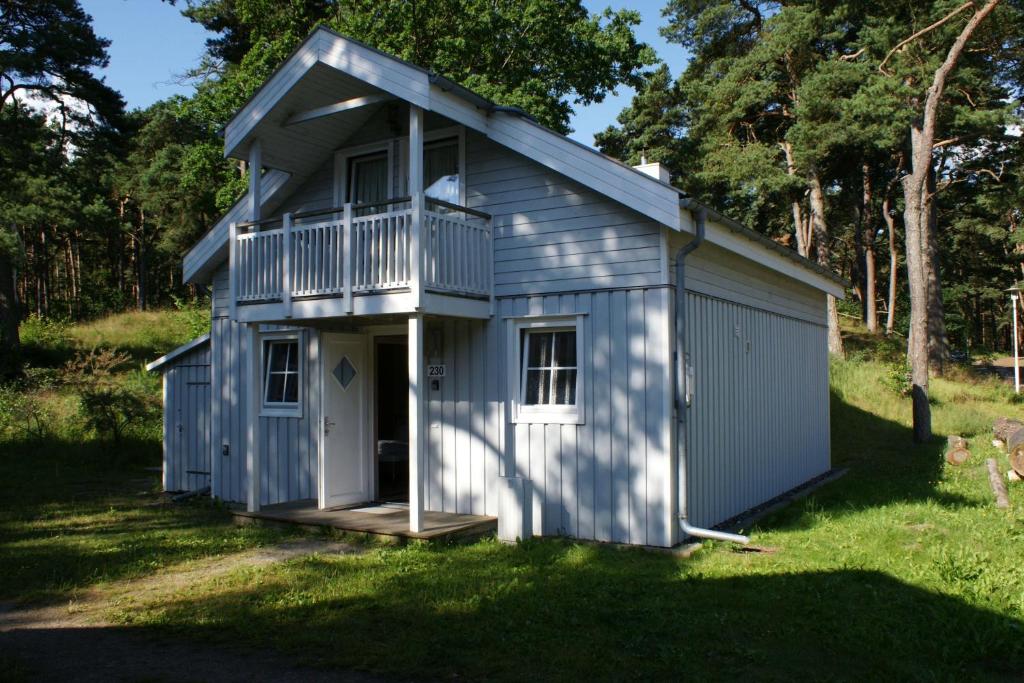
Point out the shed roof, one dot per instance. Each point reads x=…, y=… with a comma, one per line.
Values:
x=163, y=360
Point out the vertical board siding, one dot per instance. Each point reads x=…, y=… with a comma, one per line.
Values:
x=759, y=422
x=598, y=480
x=289, y=457
x=187, y=423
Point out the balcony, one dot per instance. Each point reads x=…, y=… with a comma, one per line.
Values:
x=384, y=257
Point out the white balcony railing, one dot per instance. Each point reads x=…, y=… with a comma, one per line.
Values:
x=340, y=253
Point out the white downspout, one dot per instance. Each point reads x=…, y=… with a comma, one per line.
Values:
x=682, y=396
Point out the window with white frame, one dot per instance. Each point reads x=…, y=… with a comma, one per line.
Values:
x=441, y=170
x=549, y=384
x=282, y=377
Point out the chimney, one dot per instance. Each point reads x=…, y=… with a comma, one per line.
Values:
x=653, y=169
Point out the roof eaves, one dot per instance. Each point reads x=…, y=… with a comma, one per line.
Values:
x=754, y=236
x=178, y=352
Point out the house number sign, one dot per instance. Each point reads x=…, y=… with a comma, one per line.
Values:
x=435, y=371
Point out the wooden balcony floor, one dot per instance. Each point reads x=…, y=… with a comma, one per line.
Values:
x=378, y=519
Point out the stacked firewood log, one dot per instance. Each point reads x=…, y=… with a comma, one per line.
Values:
x=1009, y=434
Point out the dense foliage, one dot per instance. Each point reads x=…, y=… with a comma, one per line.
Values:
x=793, y=116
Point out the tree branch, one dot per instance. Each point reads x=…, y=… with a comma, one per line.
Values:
x=850, y=58
x=940, y=22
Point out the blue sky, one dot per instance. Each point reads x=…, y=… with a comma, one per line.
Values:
x=152, y=45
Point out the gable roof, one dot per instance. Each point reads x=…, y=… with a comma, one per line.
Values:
x=328, y=66
x=178, y=352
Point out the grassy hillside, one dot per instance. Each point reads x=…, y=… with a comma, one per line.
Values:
x=902, y=569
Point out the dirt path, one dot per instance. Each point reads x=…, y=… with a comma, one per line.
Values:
x=75, y=641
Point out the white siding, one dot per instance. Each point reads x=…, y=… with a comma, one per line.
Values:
x=317, y=192
x=289, y=456
x=551, y=234
x=713, y=271
x=759, y=421
x=605, y=479
x=187, y=421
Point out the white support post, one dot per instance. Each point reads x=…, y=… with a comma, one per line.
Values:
x=255, y=180
x=252, y=461
x=1016, y=354
x=490, y=265
x=347, y=257
x=233, y=273
x=416, y=237
x=417, y=422
x=286, y=265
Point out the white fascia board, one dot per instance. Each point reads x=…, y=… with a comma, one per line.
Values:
x=214, y=242
x=722, y=236
x=178, y=352
x=254, y=111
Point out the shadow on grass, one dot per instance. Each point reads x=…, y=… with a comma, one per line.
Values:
x=77, y=513
x=885, y=468
x=551, y=610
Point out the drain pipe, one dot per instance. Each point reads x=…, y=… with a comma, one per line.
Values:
x=683, y=379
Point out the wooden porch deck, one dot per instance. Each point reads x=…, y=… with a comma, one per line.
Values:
x=378, y=519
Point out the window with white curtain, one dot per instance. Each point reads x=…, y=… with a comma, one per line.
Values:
x=369, y=180
x=441, y=170
x=548, y=381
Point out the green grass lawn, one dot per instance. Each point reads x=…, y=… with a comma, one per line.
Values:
x=902, y=569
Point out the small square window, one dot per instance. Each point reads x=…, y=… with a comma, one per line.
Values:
x=550, y=374
x=548, y=386
x=281, y=377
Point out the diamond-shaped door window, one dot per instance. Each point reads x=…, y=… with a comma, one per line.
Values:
x=344, y=372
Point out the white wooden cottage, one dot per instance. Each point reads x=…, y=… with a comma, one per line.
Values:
x=429, y=298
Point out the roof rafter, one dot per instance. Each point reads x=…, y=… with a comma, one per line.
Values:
x=337, y=107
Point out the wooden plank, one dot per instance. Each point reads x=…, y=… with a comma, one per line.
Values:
x=337, y=107
x=636, y=416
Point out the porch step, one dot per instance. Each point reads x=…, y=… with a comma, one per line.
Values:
x=389, y=522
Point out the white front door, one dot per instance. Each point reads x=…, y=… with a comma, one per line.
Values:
x=345, y=474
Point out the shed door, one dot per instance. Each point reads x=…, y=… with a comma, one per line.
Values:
x=196, y=436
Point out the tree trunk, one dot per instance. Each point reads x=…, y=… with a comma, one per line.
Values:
x=938, y=342
x=140, y=263
x=922, y=255
x=890, y=223
x=801, y=223
x=819, y=232
x=868, y=237
x=10, y=344
x=917, y=348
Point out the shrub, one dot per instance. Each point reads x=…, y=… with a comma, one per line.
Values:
x=196, y=314
x=897, y=378
x=22, y=414
x=109, y=405
x=45, y=341
x=110, y=411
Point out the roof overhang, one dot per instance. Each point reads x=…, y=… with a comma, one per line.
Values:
x=160, y=362
x=741, y=240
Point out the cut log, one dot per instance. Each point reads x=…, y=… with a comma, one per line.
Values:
x=995, y=480
x=1013, y=476
x=1015, y=450
x=957, y=452
x=1004, y=426
x=1016, y=457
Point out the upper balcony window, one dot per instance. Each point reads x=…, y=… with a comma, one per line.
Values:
x=368, y=176
x=441, y=170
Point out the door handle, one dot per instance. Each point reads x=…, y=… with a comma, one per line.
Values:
x=327, y=425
